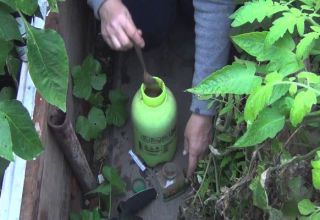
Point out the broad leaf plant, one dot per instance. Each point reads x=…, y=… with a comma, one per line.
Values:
x=49, y=69
x=272, y=86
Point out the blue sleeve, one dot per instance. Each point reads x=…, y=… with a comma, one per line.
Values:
x=212, y=43
x=95, y=5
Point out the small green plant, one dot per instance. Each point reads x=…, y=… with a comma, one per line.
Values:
x=88, y=84
x=112, y=185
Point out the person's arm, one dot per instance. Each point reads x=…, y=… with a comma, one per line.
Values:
x=212, y=51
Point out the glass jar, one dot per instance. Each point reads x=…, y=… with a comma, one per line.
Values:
x=171, y=180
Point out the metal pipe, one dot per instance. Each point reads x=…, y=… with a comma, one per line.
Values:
x=65, y=135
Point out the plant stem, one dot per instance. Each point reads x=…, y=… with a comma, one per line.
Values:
x=313, y=22
x=204, y=177
x=110, y=203
x=299, y=84
x=297, y=158
x=216, y=175
x=291, y=136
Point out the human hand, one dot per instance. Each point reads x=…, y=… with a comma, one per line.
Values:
x=197, y=137
x=117, y=26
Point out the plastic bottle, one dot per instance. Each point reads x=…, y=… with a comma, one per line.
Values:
x=154, y=124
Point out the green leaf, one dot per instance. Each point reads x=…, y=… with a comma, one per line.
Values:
x=225, y=137
x=232, y=79
x=116, y=114
x=255, y=10
x=5, y=48
x=316, y=178
x=275, y=214
x=83, y=128
x=13, y=66
x=278, y=92
x=280, y=26
x=280, y=54
x=274, y=77
x=8, y=27
x=225, y=161
x=300, y=25
x=256, y=102
x=104, y=189
x=7, y=93
x=306, y=207
x=10, y=3
x=315, y=216
x=96, y=99
x=25, y=140
x=111, y=174
x=311, y=77
x=5, y=139
x=81, y=87
x=97, y=118
x=259, y=194
x=98, y=81
x=302, y=106
x=284, y=105
x=88, y=76
x=92, y=126
x=48, y=65
x=293, y=89
x=53, y=4
x=306, y=44
x=92, y=68
x=269, y=122
x=27, y=6
x=116, y=96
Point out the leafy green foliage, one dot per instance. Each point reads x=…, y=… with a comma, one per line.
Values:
x=234, y=79
x=306, y=207
x=54, y=5
x=27, y=6
x=87, y=77
x=306, y=44
x=89, y=128
x=112, y=184
x=316, y=171
x=285, y=23
x=5, y=48
x=255, y=10
x=116, y=113
x=256, y=102
x=267, y=125
x=7, y=93
x=274, y=115
x=21, y=138
x=260, y=197
x=48, y=65
x=279, y=55
x=8, y=27
x=111, y=174
x=302, y=106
